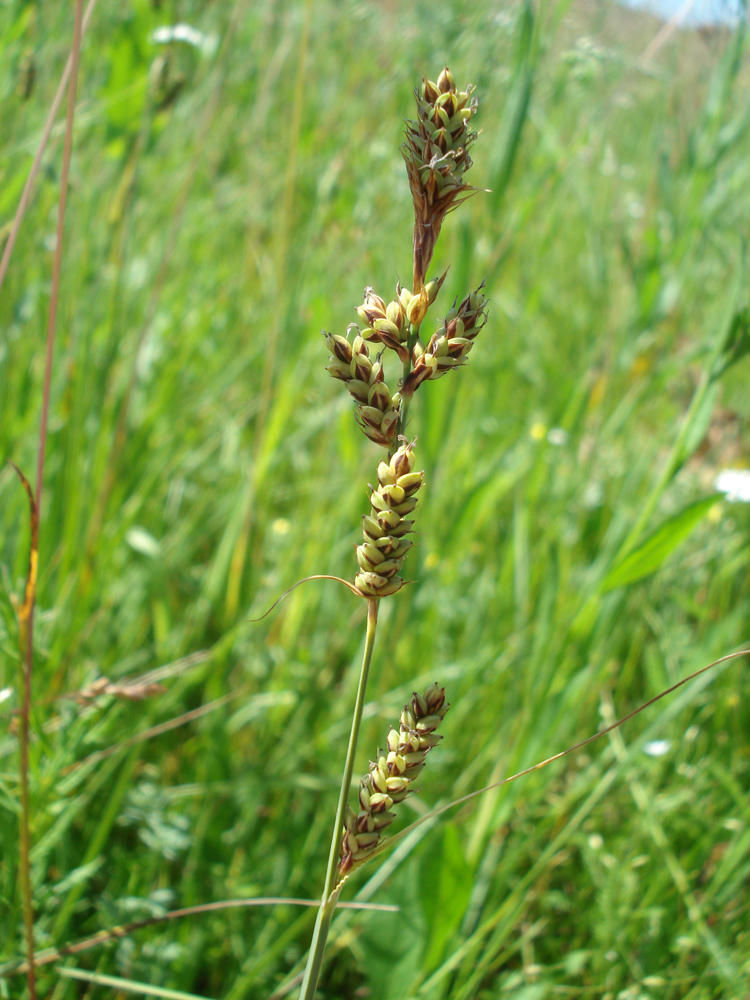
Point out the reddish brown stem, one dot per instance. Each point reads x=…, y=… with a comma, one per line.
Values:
x=26, y=617
x=25, y=613
x=115, y=933
x=35, y=166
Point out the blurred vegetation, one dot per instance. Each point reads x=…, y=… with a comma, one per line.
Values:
x=231, y=195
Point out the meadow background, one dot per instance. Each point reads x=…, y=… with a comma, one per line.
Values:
x=229, y=199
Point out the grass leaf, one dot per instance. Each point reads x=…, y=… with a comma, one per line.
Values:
x=127, y=984
x=649, y=556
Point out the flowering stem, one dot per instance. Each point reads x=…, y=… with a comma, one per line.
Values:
x=26, y=616
x=331, y=891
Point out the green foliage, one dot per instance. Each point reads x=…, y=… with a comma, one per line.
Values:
x=655, y=549
x=228, y=201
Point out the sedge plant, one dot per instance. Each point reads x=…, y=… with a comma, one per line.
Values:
x=436, y=159
x=436, y=152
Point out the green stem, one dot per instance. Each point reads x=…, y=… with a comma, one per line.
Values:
x=331, y=890
x=26, y=619
x=24, y=833
x=406, y=400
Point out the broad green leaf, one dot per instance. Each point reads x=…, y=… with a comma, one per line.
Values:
x=650, y=555
x=445, y=889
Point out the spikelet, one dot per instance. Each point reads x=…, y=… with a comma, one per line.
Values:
x=390, y=778
x=436, y=152
x=377, y=411
x=386, y=324
x=383, y=550
x=389, y=324
x=449, y=346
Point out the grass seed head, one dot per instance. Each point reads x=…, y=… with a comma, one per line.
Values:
x=436, y=152
x=390, y=777
x=377, y=409
x=451, y=343
x=383, y=550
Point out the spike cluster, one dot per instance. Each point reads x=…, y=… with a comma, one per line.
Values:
x=377, y=411
x=437, y=157
x=449, y=346
x=391, y=775
x=381, y=555
x=389, y=324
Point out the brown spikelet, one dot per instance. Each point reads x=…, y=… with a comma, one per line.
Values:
x=436, y=152
x=451, y=343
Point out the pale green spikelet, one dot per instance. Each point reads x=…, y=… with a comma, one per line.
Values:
x=385, y=323
x=383, y=550
x=390, y=777
x=377, y=410
x=389, y=324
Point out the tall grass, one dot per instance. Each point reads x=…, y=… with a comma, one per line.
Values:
x=223, y=211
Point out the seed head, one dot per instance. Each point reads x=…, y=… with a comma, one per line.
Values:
x=383, y=550
x=436, y=152
x=390, y=778
x=385, y=323
x=449, y=346
x=377, y=410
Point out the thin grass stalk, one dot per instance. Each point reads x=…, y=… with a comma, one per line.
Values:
x=120, y=436
x=57, y=263
x=50, y=955
x=237, y=565
x=46, y=133
x=26, y=633
x=287, y=217
x=331, y=891
x=25, y=645
x=405, y=402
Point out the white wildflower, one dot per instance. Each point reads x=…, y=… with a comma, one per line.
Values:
x=735, y=484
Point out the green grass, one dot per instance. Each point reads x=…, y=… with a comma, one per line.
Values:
x=200, y=461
